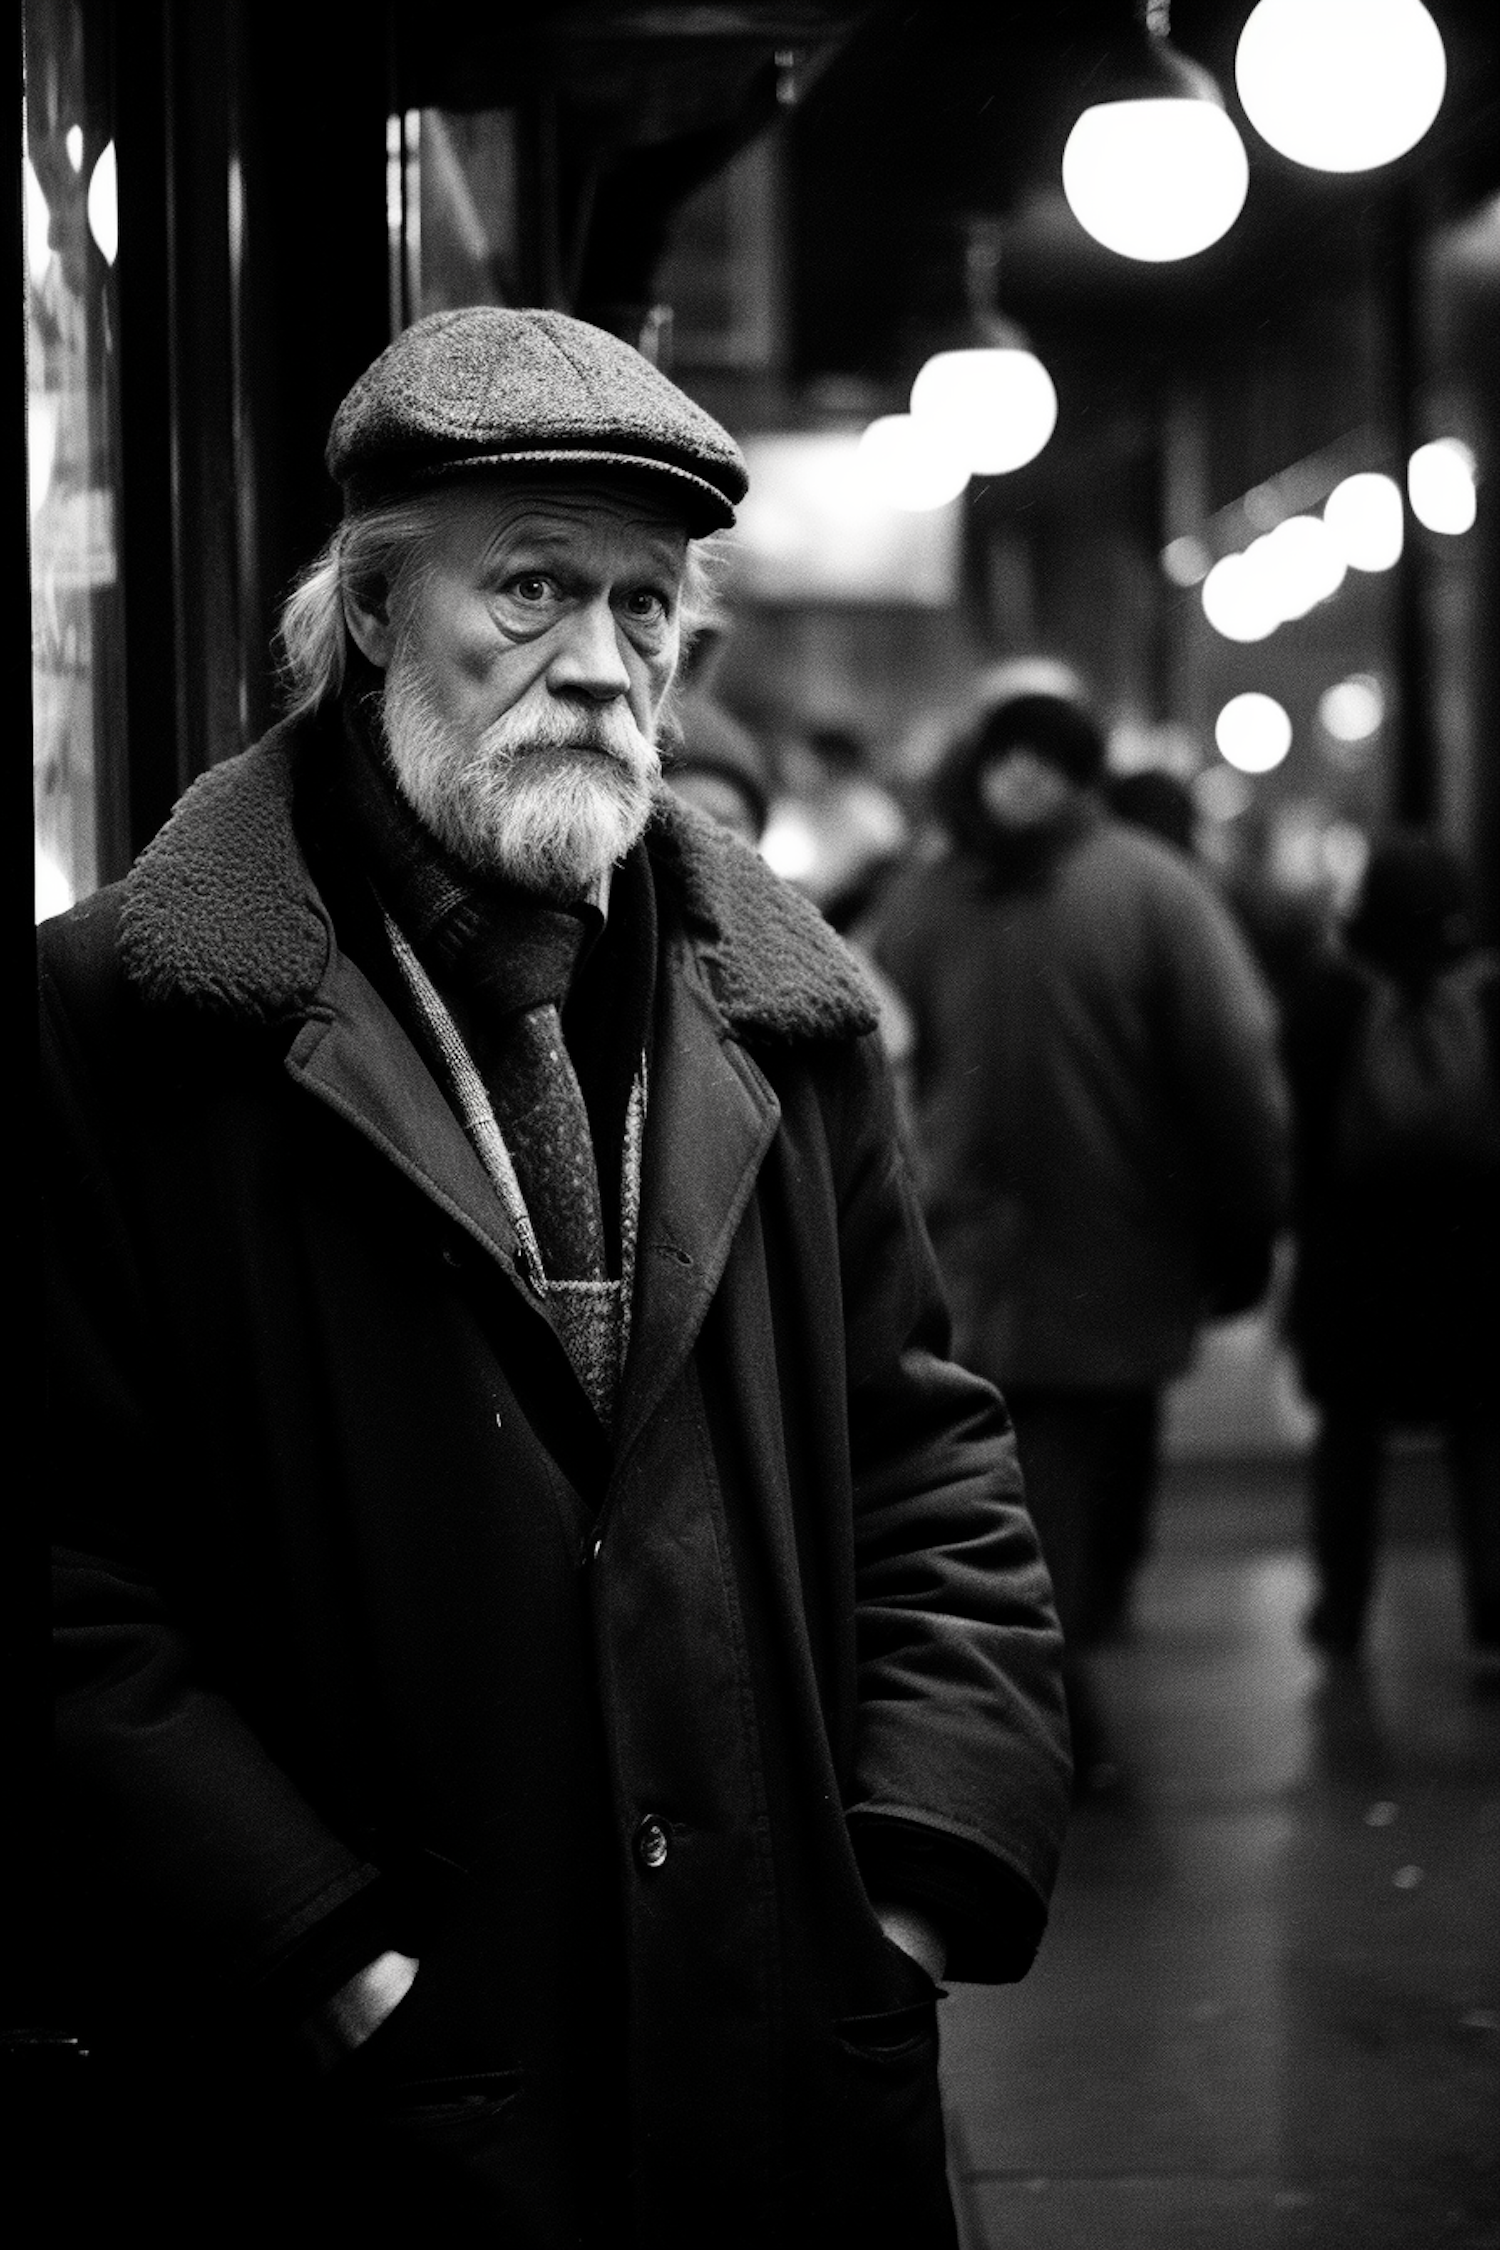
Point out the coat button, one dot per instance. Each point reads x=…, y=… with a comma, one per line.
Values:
x=651, y=1845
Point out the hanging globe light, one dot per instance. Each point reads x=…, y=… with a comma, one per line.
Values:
x=1156, y=170
x=986, y=398
x=1341, y=85
x=995, y=403
x=907, y=465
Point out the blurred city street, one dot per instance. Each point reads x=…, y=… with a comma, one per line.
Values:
x=1267, y=2011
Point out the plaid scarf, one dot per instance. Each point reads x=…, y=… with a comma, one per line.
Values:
x=505, y=961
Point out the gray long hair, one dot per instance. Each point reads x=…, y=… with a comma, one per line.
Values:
x=379, y=553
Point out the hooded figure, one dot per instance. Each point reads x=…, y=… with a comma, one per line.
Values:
x=1099, y=1119
x=1393, y=1052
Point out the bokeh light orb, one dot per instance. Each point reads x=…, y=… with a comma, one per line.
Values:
x=1364, y=514
x=909, y=465
x=103, y=204
x=1253, y=733
x=1353, y=709
x=1186, y=561
x=1155, y=180
x=1440, y=486
x=1303, y=564
x=1237, y=601
x=38, y=226
x=1341, y=85
x=1221, y=795
x=997, y=406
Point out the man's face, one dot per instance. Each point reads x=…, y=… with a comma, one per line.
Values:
x=526, y=663
x=1020, y=789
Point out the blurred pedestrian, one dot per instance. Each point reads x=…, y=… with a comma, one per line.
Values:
x=1393, y=1052
x=1100, y=1119
x=836, y=832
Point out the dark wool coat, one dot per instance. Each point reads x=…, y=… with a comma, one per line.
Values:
x=1395, y=1303
x=369, y=1638
x=1099, y=1107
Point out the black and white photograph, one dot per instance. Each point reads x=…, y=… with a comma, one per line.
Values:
x=759, y=1504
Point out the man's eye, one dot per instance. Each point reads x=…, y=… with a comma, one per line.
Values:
x=531, y=586
x=643, y=603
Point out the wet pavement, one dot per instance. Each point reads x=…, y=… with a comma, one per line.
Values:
x=1267, y=2011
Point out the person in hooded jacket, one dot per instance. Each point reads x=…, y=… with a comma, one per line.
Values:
x=1392, y=1043
x=1100, y=1122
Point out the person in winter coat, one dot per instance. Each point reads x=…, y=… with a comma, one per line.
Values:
x=1392, y=1045
x=553, y=1661
x=1100, y=1121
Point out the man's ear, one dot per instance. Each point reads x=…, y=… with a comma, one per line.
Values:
x=368, y=617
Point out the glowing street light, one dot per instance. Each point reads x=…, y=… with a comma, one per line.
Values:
x=1155, y=180
x=996, y=405
x=1253, y=733
x=1341, y=85
x=1156, y=170
x=909, y=465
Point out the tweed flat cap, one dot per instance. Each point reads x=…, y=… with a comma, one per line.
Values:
x=494, y=387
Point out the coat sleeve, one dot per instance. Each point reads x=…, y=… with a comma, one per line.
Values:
x=961, y=1761
x=194, y=1850
x=1219, y=1029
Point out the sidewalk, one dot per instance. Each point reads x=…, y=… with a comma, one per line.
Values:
x=1267, y=2012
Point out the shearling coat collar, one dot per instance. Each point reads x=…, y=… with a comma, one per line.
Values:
x=220, y=912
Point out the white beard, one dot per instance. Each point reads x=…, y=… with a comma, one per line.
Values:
x=548, y=798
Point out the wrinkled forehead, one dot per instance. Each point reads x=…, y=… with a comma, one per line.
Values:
x=568, y=509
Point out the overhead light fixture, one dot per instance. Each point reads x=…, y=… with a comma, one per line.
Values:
x=990, y=400
x=1341, y=85
x=908, y=465
x=1156, y=170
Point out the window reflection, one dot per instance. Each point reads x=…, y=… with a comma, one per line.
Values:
x=73, y=447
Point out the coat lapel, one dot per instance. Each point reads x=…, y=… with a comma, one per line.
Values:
x=220, y=914
x=355, y=1058
x=711, y=1119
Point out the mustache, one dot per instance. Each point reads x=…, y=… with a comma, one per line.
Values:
x=611, y=734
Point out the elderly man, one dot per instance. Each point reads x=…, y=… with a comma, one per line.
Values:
x=554, y=1664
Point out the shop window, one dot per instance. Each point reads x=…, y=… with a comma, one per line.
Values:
x=72, y=326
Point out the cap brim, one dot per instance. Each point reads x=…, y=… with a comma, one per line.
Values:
x=703, y=507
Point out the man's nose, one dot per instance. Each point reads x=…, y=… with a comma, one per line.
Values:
x=589, y=659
